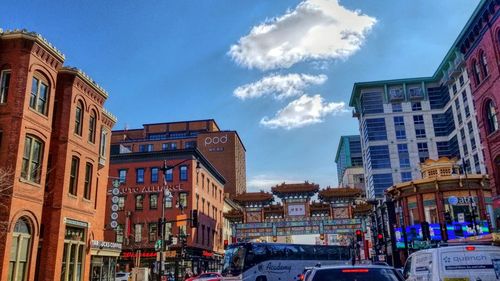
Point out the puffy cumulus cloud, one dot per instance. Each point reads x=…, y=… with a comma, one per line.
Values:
x=303, y=111
x=280, y=86
x=314, y=30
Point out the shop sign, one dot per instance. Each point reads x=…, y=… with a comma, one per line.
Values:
x=98, y=244
x=207, y=254
x=454, y=200
x=76, y=222
x=296, y=210
x=142, y=255
x=147, y=189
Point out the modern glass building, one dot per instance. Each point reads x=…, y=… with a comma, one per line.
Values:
x=349, y=157
x=403, y=122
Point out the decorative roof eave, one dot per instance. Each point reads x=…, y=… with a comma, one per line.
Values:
x=344, y=192
x=445, y=179
x=362, y=208
x=253, y=197
x=233, y=214
x=287, y=188
x=23, y=33
x=278, y=208
x=109, y=115
x=82, y=75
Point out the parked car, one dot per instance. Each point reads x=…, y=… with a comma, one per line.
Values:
x=465, y=262
x=356, y=272
x=208, y=276
x=122, y=276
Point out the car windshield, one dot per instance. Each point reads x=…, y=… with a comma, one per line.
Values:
x=356, y=274
x=234, y=259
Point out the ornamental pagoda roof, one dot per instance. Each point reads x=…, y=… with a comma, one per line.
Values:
x=253, y=197
x=319, y=206
x=274, y=208
x=362, y=208
x=233, y=214
x=339, y=192
x=287, y=188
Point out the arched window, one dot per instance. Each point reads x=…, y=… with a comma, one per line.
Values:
x=32, y=159
x=475, y=72
x=20, y=251
x=484, y=64
x=39, y=97
x=491, y=116
x=92, y=124
x=79, y=118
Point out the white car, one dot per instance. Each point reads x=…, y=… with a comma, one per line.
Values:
x=466, y=262
x=122, y=276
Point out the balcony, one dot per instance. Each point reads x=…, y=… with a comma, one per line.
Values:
x=355, y=113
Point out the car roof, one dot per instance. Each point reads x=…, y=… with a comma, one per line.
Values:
x=450, y=248
x=354, y=266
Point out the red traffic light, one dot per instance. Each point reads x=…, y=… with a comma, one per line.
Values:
x=358, y=232
x=380, y=236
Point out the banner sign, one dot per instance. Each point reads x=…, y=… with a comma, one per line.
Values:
x=296, y=210
x=147, y=189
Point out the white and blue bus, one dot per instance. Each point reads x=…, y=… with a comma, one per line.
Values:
x=278, y=262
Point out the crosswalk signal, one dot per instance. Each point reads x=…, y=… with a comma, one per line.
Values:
x=226, y=243
x=194, y=218
x=380, y=238
x=359, y=236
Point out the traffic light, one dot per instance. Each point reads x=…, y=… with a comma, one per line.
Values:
x=322, y=236
x=426, y=232
x=226, y=243
x=194, y=218
x=447, y=217
x=160, y=227
x=359, y=236
x=380, y=239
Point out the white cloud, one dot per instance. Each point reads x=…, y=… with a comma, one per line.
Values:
x=303, y=111
x=280, y=86
x=314, y=30
x=265, y=182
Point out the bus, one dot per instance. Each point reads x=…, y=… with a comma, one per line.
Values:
x=253, y=261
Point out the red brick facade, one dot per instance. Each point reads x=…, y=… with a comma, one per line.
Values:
x=37, y=121
x=480, y=44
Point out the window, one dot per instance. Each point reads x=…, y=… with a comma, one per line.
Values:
x=119, y=233
x=121, y=203
x=4, y=85
x=454, y=89
x=418, y=119
x=183, y=173
x=20, y=251
x=404, y=156
x=32, y=159
x=372, y=103
x=420, y=133
x=39, y=95
x=139, y=202
x=73, y=254
x=476, y=164
x=461, y=80
x=399, y=126
x=154, y=174
x=78, y=118
x=406, y=176
x=153, y=201
x=491, y=117
x=475, y=72
x=138, y=233
x=484, y=64
x=139, y=175
x=153, y=230
x=423, y=151
x=122, y=174
x=396, y=107
x=376, y=129
x=379, y=155
x=183, y=200
x=168, y=202
x=381, y=182
x=169, y=146
x=467, y=110
x=472, y=142
x=416, y=106
x=92, y=124
x=88, y=181
x=73, y=177
x=145, y=147
x=103, y=147
x=169, y=175
x=190, y=144
x=182, y=230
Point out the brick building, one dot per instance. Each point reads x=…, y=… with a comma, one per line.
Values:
x=54, y=136
x=224, y=149
x=479, y=42
x=194, y=184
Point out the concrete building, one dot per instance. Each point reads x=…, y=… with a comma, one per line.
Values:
x=223, y=148
x=54, y=144
x=349, y=162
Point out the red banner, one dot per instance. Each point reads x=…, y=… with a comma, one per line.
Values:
x=143, y=254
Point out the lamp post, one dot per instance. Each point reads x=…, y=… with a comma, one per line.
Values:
x=471, y=200
x=167, y=194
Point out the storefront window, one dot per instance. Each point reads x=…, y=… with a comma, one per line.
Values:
x=119, y=233
x=103, y=268
x=74, y=249
x=414, y=218
x=431, y=215
x=183, y=200
x=19, y=251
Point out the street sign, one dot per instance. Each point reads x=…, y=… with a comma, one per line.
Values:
x=158, y=245
x=114, y=207
x=114, y=199
x=453, y=200
x=461, y=217
x=115, y=191
x=116, y=183
x=114, y=216
x=174, y=240
x=113, y=224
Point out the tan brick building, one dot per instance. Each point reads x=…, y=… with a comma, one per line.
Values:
x=54, y=145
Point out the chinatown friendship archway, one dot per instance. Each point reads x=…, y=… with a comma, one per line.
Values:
x=334, y=213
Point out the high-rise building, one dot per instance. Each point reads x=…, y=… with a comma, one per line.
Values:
x=406, y=121
x=223, y=148
x=54, y=144
x=349, y=162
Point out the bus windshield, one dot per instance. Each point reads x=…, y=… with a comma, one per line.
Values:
x=234, y=260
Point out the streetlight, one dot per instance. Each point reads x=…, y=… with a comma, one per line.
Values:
x=168, y=194
x=471, y=200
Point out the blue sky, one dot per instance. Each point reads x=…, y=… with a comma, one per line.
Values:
x=275, y=71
